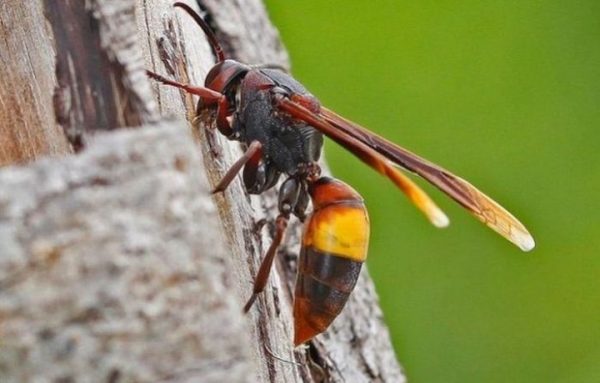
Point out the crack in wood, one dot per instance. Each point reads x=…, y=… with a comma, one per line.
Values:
x=90, y=65
x=83, y=94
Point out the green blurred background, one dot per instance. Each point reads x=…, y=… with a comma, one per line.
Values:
x=505, y=94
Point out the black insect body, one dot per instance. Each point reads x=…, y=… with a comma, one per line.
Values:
x=282, y=127
x=289, y=146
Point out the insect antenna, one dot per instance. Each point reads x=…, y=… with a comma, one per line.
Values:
x=212, y=39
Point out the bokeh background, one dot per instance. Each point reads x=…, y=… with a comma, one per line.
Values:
x=507, y=95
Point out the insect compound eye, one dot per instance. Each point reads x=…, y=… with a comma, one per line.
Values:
x=223, y=74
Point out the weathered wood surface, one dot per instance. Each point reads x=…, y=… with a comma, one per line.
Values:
x=104, y=270
x=355, y=349
x=27, y=81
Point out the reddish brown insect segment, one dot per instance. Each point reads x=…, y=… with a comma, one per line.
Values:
x=334, y=247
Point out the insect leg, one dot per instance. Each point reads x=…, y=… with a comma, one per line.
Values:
x=259, y=175
x=288, y=199
x=265, y=267
x=222, y=113
x=255, y=147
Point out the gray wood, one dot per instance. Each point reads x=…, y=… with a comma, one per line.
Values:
x=133, y=35
x=104, y=269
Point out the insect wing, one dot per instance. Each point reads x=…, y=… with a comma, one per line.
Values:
x=483, y=207
x=347, y=134
x=369, y=156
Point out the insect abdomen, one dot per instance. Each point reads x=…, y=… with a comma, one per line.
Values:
x=334, y=247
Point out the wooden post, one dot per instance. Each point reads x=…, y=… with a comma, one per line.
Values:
x=117, y=264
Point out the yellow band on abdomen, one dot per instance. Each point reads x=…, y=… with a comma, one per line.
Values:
x=340, y=230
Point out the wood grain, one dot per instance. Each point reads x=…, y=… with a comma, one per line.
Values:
x=129, y=36
x=27, y=121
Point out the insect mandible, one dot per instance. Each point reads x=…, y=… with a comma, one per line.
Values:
x=281, y=126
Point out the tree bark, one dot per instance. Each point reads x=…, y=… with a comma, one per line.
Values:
x=117, y=264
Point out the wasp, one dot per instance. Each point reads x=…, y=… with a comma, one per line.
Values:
x=281, y=126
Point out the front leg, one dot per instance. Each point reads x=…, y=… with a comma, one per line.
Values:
x=255, y=149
